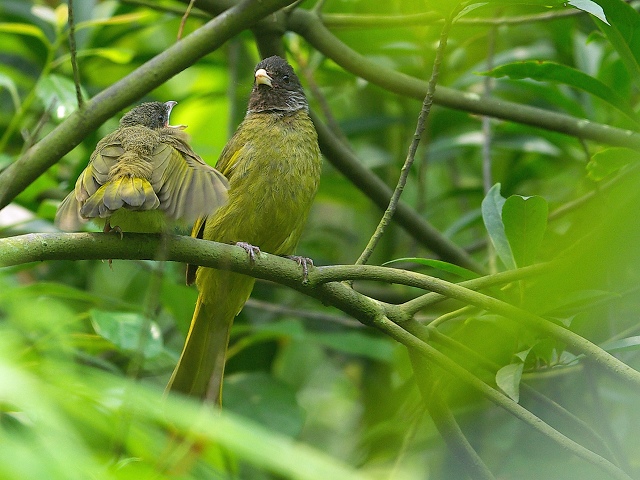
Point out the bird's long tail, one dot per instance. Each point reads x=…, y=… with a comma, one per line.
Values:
x=201, y=366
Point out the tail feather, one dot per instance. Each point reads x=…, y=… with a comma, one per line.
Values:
x=200, y=369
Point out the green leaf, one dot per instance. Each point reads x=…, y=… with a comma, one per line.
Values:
x=492, y=216
x=624, y=344
x=622, y=32
x=115, y=20
x=263, y=399
x=357, y=343
x=58, y=92
x=25, y=29
x=439, y=265
x=508, y=380
x=610, y=160
x=525, y=221
x=129, y=332
x=8, y=83
x=591, y=7
x=555, y=72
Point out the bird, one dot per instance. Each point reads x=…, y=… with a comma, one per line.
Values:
x=143, y=177
x=273, y=165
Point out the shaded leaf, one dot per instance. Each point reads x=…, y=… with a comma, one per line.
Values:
x=508, y=380
x=525, y=221
x=492, y=216
x=439, y=265
x=129, y=332
x=610, y=160
x=555, y=72
x=263, y=399
x=622, y=32
x=357, y=343
x=58, y=92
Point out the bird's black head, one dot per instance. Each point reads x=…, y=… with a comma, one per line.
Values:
x=276, y=88
x=152, y=115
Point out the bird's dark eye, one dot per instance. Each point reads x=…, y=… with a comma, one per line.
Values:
x=285, y=78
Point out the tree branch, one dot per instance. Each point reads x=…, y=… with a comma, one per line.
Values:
x=413, y=147
x=310, y=26
x=322, y=283
x=379, y=192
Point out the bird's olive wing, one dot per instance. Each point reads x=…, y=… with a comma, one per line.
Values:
x=187, y=188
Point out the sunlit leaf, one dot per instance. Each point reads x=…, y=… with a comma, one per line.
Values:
x=115, y=20
x=609, y=161
x=622, y=345
x=25, y=29
x=45, y=13
x=591, y=7
x=62, y=16
x=525, y=221
x=492, y=216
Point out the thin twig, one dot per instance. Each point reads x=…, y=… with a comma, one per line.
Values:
x=417, y=136
x=72, y=52
x=195, y=13
x=183, y=20
x=487, y=178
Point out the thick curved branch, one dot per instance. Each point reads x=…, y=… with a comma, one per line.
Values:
x=323, y=283
x=76, y=246
x=310, y=26
x=176, y=58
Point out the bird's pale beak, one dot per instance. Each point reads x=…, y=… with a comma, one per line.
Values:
x=170, y=104
x=262, y=78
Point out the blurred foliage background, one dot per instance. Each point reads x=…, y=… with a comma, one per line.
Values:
x=310, y=392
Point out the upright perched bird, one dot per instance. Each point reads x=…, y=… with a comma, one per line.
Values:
x=143, y=177
x=273, y=166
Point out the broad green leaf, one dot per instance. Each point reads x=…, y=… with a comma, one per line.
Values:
x=492, y=216
x=8, y=83
x=555, y=72
x=25, y=29
x=622, y=32
x=508, y=380
x=610, y=160
x=59, y=93
x=438, y=264
x=525, y=221
x=263, y=399
x=130, y=332
x=357, y=343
